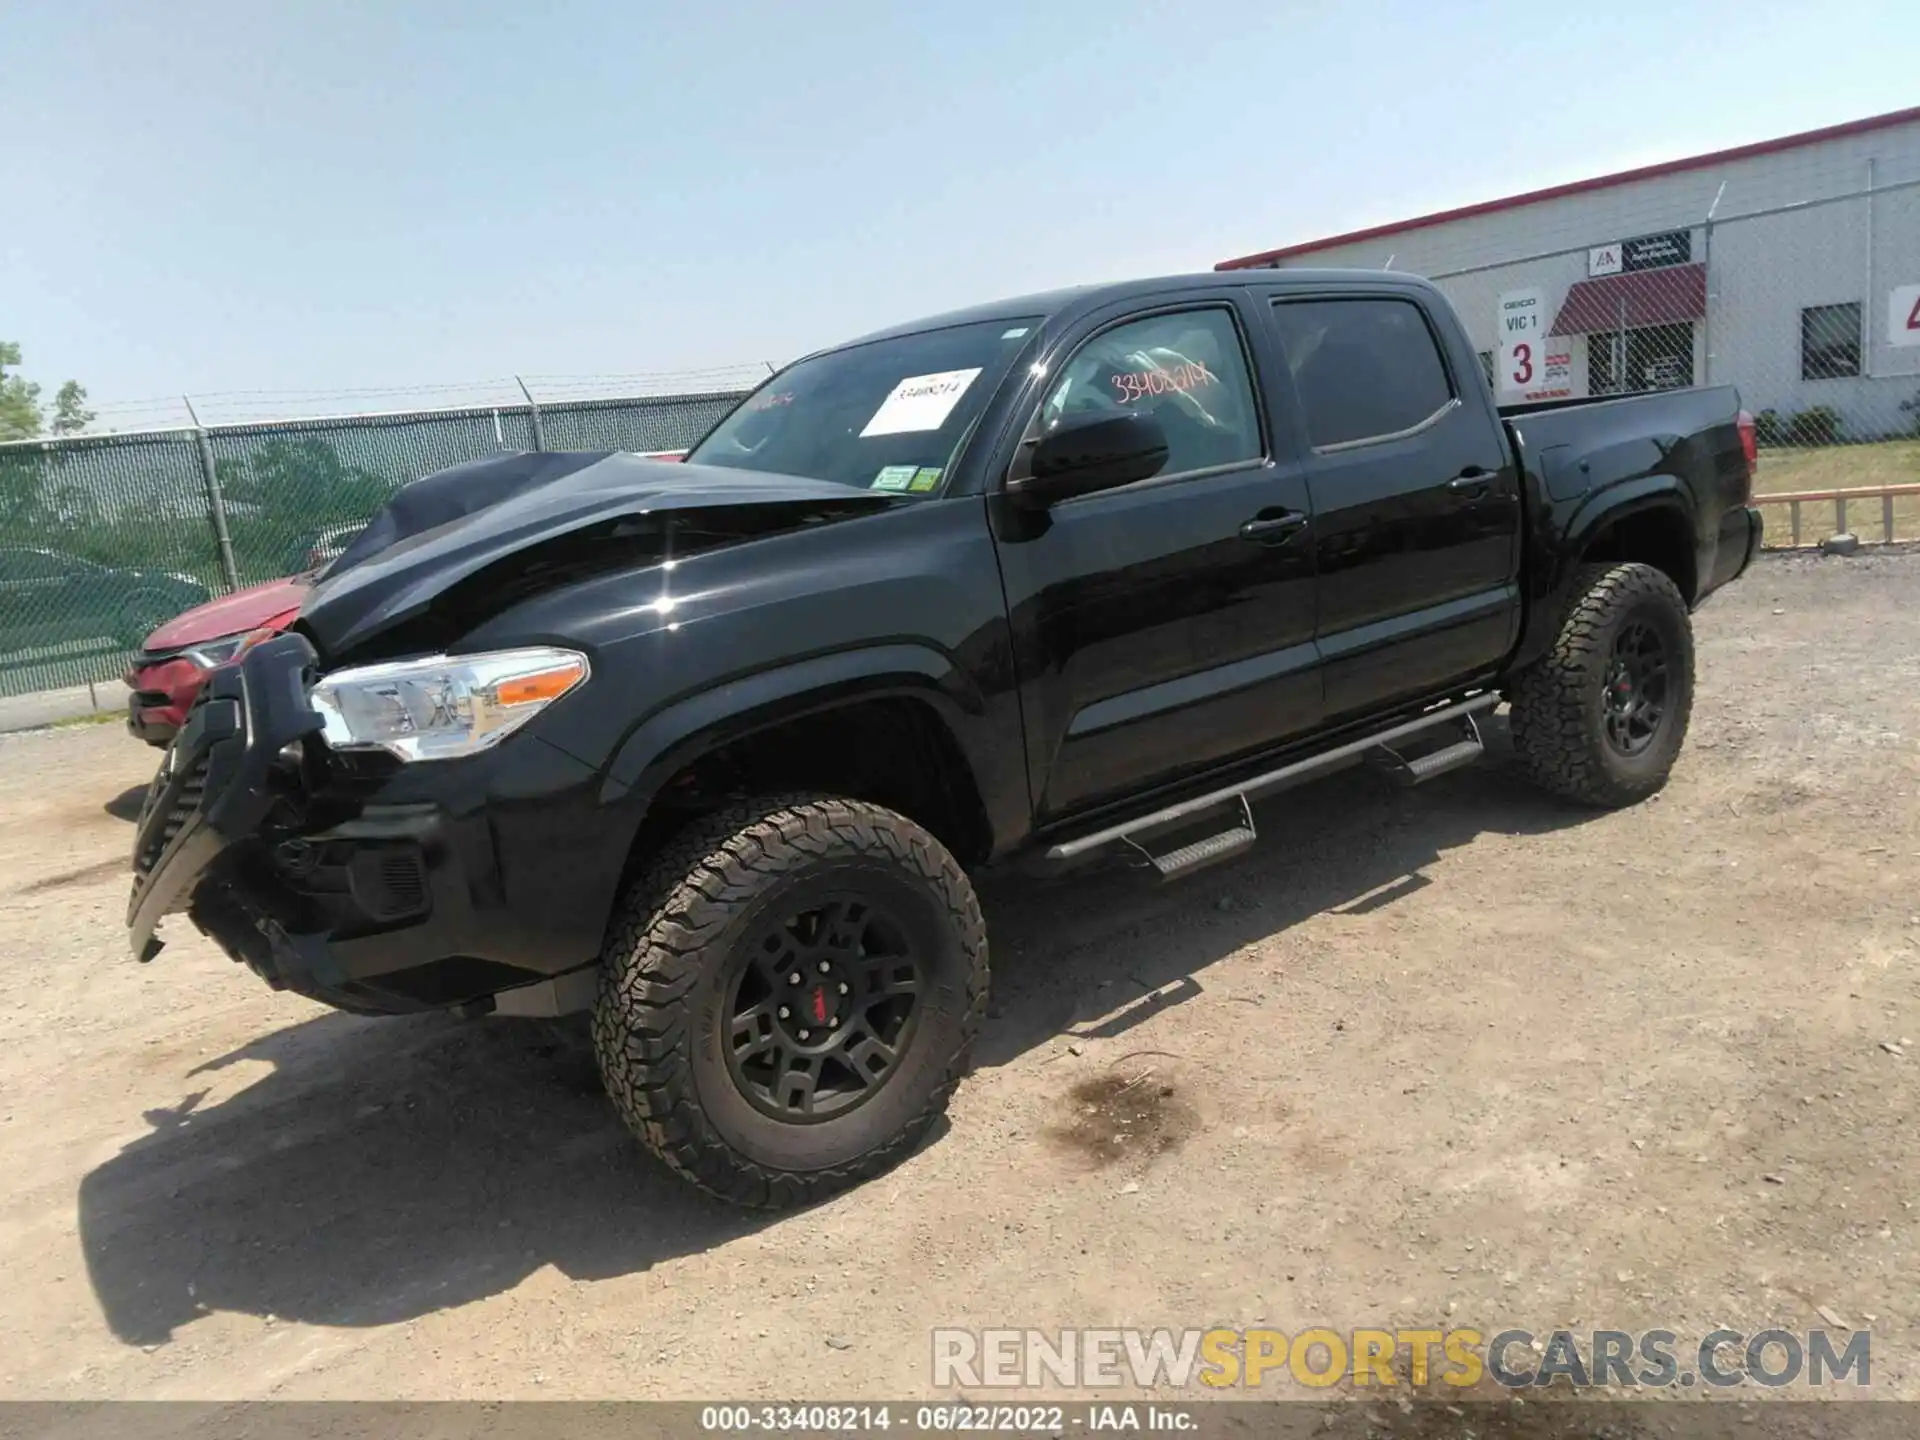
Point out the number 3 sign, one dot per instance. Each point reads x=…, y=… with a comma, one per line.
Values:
x=1522, y=325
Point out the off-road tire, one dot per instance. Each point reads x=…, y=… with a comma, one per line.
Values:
x=1558, y=703
x=661, y=1024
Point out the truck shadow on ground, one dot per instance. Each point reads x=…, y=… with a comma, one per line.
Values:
x=1096, y=954
x=385, y=1169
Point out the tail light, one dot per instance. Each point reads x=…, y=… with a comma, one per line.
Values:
x=1749, y=447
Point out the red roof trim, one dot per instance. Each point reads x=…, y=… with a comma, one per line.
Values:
x=1581, y=187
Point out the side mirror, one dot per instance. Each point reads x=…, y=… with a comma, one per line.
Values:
x=1085, y=453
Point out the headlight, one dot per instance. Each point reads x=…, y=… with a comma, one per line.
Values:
x=214, y=653
x=443, y=706
x=210, y=653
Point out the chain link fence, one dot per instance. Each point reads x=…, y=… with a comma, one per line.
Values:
x=1806, y=308
x=1811, y=309
x=103, y=537
x=1794, y=278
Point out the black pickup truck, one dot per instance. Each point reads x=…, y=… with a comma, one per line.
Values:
x=710, y=748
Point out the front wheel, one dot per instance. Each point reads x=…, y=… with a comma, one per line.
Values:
x=1601, y=717
x=788, y=996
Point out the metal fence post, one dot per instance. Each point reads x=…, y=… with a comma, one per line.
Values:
x=1706, y=267
x=533, y=411
x=216, y=503
x=1867, y=309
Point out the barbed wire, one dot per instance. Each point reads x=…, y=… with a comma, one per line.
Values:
x=215, y=407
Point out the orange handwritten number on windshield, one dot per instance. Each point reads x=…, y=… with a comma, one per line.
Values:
x=1139, y=385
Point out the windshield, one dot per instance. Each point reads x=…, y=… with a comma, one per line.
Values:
x=888, y=415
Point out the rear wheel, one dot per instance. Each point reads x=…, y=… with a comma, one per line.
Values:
x=1602, y=716
x=788, y=996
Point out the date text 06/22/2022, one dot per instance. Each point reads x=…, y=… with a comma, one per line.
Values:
x=949, y=1418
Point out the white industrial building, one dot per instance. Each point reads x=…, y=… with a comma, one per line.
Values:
x=1790, y=268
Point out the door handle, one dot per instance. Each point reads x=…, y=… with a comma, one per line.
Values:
x=1471, y=484
x=1266, y=529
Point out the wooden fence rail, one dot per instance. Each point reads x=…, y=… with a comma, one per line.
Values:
x=1793, y=500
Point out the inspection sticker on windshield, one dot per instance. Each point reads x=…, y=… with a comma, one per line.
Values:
x=893, y=477
x=925, y=479
x=920, y=402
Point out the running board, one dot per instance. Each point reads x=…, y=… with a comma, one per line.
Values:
x=1240, y=836
x=1464, y=751
x=1207, y=850
x=1441, y=761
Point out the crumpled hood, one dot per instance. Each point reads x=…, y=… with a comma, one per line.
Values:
x=447, y=527
x=231, y=614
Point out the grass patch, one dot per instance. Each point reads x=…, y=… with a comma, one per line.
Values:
x=97, y=717
x=1840, y=467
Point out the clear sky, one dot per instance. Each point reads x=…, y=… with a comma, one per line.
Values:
x=296, y=196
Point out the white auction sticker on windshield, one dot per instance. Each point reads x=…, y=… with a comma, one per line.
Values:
x=920, y=402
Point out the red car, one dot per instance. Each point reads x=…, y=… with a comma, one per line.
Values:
x=173, y=662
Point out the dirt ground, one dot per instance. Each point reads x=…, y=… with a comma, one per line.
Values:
x=1450, y=1056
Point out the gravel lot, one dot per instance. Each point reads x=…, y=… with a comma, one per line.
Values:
x=1456, y=1055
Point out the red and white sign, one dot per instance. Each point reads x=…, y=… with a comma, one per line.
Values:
x=1556, y=374
x=1521, y=322
x=1903, y=316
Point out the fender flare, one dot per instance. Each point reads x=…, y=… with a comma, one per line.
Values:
x=1598, y=510
x=1641, y=495
x=674, y=736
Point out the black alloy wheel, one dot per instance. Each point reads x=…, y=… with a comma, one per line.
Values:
x=1600, y=717
x=788, y=994
x=822, y=1009
x=1636, y=688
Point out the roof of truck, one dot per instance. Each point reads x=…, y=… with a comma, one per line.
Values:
x=1051, y=304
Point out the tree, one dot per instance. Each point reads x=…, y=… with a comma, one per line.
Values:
x=70, y=413
x=303, y=480
x=21, y=417
x=19, y=398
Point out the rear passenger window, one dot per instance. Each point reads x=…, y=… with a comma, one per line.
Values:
x=1187, y=370
x=1363, y=369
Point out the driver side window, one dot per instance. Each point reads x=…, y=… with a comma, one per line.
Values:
x=1188, y=370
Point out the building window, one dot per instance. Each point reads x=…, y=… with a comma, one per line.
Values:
x=1631, y=362
x=1830, y=341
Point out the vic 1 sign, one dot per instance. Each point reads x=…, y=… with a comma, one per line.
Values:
x=1522, y=325
x=1903, y=316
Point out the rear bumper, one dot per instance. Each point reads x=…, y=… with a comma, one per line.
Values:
x=426, y=886
x=1733, y=550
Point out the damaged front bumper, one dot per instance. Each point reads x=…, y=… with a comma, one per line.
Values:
x=217, y=785
x=371, y=885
